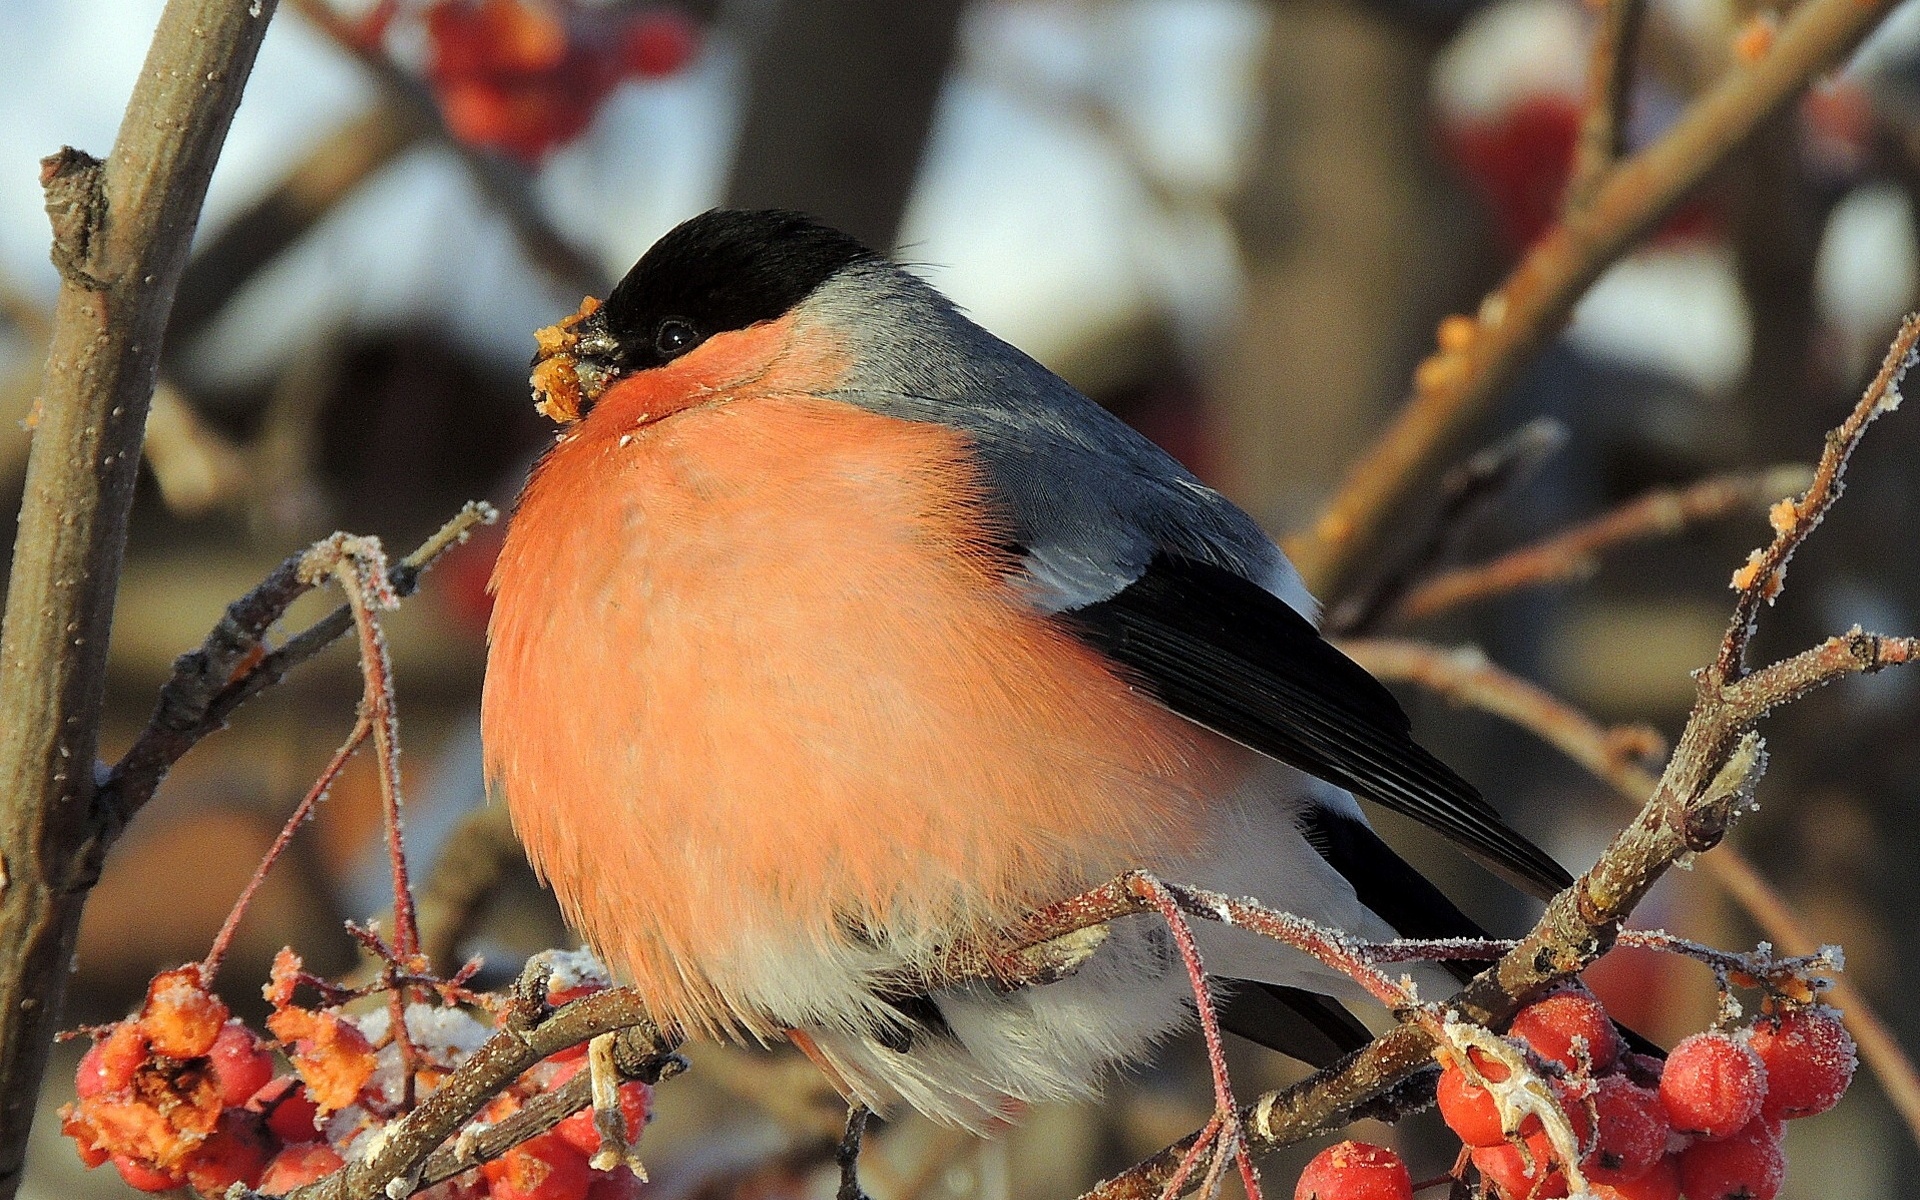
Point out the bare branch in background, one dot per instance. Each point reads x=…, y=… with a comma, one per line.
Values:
x=1455, y=387
x=505, y=184
x=1603, y=128
x=1575, y=553
x=121, y=233
x=1467, y=494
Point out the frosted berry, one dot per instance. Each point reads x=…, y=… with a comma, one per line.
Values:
x=299, y=1165
x=110, y=1065
x=578, y=1131
x=1810, y=1060
x=1469, y=1109
x=1713, y=1086
x=240, y=1065
x=1630, y=1131
x=1660, y=1182
x=1555, y=1026
x=235, y=1152
x=144, y=1177
x=619, y=1184
x=1528, y=1175
x=181, y=1018
x=1355, y=1171
x=540, y=1168
x=92, y=1078
x=1750, y=1165
x=292, y=1116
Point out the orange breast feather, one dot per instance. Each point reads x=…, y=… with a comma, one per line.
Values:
x=757, y=678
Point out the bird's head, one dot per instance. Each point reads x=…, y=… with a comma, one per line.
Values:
x=722, y=271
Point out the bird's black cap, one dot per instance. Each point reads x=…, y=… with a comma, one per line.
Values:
x=724, y=269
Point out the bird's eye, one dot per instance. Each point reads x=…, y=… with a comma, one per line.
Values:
x=674, y=337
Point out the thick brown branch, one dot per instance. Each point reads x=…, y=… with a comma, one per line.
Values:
x=1575, y=553
x=121, y=230
x=532, y=1032
x=1532, y=303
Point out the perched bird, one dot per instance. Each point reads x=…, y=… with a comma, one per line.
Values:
x=833, y=629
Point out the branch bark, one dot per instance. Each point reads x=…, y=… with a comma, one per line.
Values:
x=1453, y=389
x=121, y=232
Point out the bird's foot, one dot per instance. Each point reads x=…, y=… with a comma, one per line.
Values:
x=1223, y=1139
x=847, y=1154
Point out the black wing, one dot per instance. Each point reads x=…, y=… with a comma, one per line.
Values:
x=1223, y=652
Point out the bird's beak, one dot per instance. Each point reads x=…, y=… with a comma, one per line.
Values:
x=572, y=364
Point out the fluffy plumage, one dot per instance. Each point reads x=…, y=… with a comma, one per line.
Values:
x=792, y=682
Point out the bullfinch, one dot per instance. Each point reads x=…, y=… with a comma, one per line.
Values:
x=833, y=629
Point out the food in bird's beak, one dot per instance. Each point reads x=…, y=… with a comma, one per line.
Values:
x=558, y=391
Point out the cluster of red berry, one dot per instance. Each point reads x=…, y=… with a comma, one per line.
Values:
x=1705, y=1123
x=526, y=76
x=181, y=1094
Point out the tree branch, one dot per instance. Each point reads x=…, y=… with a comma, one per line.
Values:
x=1708, y=780
x=121, y=232
x=1574, y=553
x=1454, y=388
x=1466, y=677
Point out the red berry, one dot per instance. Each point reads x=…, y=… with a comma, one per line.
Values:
x=540, y=1168
x=1750, y=1165
x=1355, y=1171
x=181, y=1018
x=240, y=1064
x=1643, y=1069
x=636, y=1100
x=1662, y=1182
x=91, y=1078
x=1631, y=1131
x=292, y=1115
x=620, y=1184
x=656, y=44
x=1469, y=1109
x=1522, y=1176
x=1567, y=1027
x=235, y=1152
x=1713, y=1086
x=145, y=1177
x=115, y=1059
x=1810, y=1060
x=86, y=1137
x=298, y=1165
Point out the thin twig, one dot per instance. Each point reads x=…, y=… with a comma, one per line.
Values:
x=210, y=966
x=121, y=232
x=1603, y=127
x=1575, y=553
x=1466, y=677
x=1760, y=580
x=1466, y=495
x=1531, y=305
x=233, y=665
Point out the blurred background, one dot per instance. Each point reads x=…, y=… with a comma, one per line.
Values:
x=1235, y=223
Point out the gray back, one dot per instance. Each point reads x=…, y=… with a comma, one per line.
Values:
x=1092, y=501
